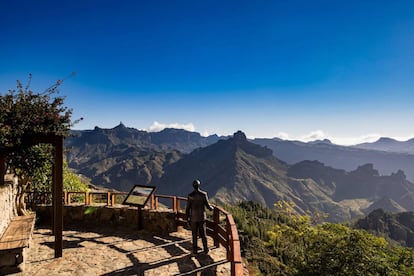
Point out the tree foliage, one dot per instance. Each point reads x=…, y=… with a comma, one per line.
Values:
x=23, y=114
x=299, y=245
x=42, y=179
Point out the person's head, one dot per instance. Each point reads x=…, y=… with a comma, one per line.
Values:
x=196, y=184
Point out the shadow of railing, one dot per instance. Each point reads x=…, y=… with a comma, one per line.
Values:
x=177, y=247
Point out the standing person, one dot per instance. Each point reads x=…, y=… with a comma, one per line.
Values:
x=196, y=215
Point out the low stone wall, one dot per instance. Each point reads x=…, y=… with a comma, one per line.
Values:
x=154, y=221
x=7, y=203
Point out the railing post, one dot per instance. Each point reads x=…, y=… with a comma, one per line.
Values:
x=152, y=201
x=229, y=242
x=175, y=204
x=90, y=198
x=113, y=200
x=156, y=203
x=69, y=201
x=178, y=208
x=108, y=199
x=216, y=220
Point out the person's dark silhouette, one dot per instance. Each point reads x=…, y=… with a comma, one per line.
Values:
x=196, y=216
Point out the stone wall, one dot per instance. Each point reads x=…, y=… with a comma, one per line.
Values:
x=7, y=206
x=154, y=221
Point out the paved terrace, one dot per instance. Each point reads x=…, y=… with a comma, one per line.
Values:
x=106, y=251
x=103, y=242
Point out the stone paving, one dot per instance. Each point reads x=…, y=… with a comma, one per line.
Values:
x=122, y=252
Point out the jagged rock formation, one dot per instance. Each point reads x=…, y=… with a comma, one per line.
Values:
x=121, y=157
x=165, y=140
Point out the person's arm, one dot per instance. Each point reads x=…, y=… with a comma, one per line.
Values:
x=207, y=204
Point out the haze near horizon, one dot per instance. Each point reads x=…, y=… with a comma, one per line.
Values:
x=298, y=70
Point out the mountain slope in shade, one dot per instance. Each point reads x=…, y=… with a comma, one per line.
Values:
x=398, y=227
x=234, y=170
x=341, y=157
x=362, y=183
x=121, y=167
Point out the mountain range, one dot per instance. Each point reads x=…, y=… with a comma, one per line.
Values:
x=120, y=157
x=387, y=155
x=233, y=169
x=389, y=145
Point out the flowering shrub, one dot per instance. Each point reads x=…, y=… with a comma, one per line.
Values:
x=24, y=114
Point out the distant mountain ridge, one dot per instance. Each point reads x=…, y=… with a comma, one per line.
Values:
x=167, y=139
x=341, y=157
x=389, y=145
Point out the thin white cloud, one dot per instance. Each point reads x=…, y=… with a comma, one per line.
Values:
x=283, y=135
x=313, y=135
x=156, y=126
x=404, y=138
x=205, y=133
x=320, y=135
x=348, y=141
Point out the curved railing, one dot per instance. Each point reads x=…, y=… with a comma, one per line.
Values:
x=220, y=227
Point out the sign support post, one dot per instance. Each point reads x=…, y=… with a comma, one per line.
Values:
x=139, y=196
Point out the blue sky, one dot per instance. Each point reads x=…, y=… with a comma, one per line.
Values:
x=342, y=70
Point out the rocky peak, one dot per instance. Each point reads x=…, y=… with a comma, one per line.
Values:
x=399, y=175
x=240, y=136
x=120, y=126
x=239, y=140
x=366, y=170
x=324, y=141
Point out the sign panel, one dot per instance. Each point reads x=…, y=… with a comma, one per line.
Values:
x=139, y=195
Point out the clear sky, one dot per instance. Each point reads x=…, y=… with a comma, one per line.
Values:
x=342, y=70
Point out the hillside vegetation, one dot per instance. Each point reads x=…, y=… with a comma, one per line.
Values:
x=280, y=242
